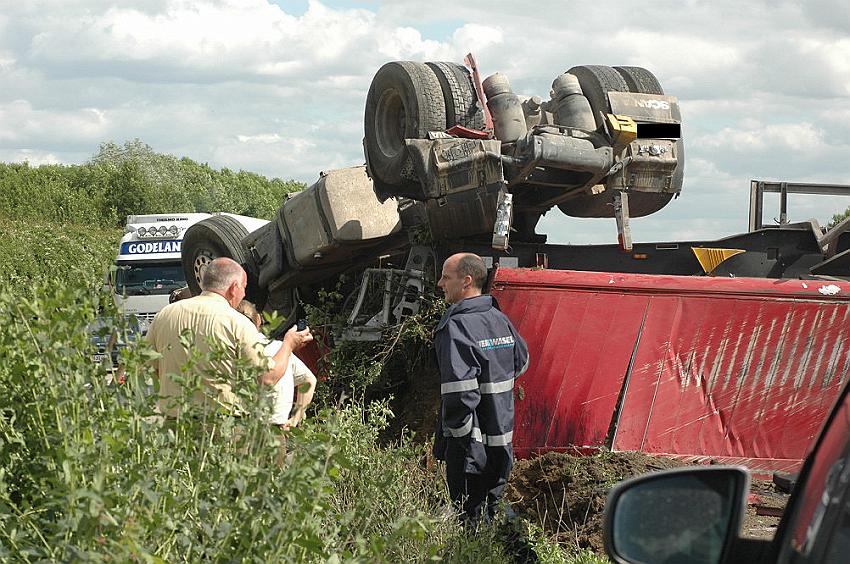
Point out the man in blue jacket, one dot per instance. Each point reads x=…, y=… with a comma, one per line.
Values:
x=480, y=354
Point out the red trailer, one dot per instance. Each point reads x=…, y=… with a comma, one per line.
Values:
x=739, y=370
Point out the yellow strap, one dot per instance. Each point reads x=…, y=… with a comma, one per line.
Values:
x=623, y=129
x=709, y=259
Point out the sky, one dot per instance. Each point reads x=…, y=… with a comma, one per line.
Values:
x=279, y=88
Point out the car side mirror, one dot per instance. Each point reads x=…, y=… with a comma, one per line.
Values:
x=689, y=515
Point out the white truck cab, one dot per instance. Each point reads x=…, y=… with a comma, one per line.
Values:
x=148, y=263
x=149, y=267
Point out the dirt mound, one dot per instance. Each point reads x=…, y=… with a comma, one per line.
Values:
x=565, y=494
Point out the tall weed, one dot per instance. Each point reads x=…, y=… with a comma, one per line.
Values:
x=88, y=471
x=33, y=252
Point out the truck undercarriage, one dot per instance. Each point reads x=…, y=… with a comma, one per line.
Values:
x=456, y=164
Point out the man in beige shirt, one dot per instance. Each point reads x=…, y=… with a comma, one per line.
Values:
x=214, y=330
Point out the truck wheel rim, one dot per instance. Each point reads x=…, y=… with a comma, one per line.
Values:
x=390, y=117
x=202, y=261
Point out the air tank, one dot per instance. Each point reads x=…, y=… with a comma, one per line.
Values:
x=505, y=107
x=532, y=111
x=571, y=107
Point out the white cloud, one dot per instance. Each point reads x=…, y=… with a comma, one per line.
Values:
x=196, y=33
x=7, y=62
x=264, y=138
x=830, y=14
x=758, y=138
x=475, y=37
x=20, y=122
x=763, y=86
x=834, y=55
x=33, y=157
x=254, y=154
x=209, y=41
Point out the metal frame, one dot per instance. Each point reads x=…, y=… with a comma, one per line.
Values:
x=827, y=240
x=759, y=187
x=402, y=290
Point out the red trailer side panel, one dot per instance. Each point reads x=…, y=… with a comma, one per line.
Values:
x=569, y=394
x=741, y=370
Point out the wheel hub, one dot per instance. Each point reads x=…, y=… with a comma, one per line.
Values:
x=202, y=261
x=390, y=119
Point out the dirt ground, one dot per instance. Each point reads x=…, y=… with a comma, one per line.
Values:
x=563, y=493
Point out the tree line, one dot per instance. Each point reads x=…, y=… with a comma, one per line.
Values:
x=133, y=179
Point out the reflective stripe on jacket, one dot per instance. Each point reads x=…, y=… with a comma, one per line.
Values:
x=480, y=355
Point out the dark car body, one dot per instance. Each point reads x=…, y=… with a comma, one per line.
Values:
x=694, y=514
x=108, y=335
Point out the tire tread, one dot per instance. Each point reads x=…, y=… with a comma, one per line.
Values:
x=224, y=233
x=596, y=81
x=640, y=80
x=425, y=111
x=462, y=107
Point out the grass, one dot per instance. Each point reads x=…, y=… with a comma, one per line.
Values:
x=87, y=472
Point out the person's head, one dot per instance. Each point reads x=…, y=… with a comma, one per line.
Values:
x=249, y=310
x=179, y=294
x=464, y=276
x=225, y=277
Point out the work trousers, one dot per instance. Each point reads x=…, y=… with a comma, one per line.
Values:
x=476, y=489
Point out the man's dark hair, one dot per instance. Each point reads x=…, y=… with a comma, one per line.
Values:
x=472, y=265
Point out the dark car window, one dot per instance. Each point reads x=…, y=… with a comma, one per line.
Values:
x=820, y=520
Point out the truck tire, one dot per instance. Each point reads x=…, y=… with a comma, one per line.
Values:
x=214, y=237
x=643, y=81
x=596, y=81
x=640, y=80
x=462, y=107
x=405, y=101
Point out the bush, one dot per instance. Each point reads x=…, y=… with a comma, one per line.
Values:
x=372, y=369
x=88, y=472
x=133, y=179
x=33, y=252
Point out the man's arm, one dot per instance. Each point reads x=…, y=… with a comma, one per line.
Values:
x=150, y=337
x=305, y=384
x=293, y=340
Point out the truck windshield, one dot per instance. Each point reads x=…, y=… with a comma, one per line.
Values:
x=148, y=279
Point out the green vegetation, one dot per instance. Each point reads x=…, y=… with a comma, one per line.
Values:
x=89, y=472
x=33, y=251
x=836, y=219
x=374, y=369
x=133, y=179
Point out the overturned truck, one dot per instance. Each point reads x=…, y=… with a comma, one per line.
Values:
x=679, y=348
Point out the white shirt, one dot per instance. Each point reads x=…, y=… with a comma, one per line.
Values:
x=283, y=392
